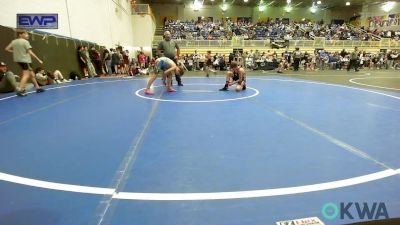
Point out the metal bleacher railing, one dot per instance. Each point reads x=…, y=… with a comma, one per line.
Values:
x=317, y=43
x=376, y=37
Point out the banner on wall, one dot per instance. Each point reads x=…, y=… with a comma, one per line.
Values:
x=383, y=21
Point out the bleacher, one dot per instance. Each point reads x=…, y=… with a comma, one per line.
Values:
x=188, y=46
x=260, y=36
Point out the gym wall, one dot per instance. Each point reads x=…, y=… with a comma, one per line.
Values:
x=370, y=11
x=106, y=22
x=185, y=12
x=56, y=53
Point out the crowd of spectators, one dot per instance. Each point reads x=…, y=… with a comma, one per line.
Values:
x=116, y=61
x=317, y=60
x=108, y=62
x=93, y=63
x=276, y=30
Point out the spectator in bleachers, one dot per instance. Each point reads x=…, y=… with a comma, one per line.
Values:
x=276, y=30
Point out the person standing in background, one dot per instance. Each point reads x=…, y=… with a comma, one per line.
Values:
x=168, y=47
x=353, y=60
x=107, y=61
x=297, y=57
x=22, y=52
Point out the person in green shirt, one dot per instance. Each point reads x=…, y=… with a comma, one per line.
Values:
x=353, y=60
x=22, y=52
x=168, y=46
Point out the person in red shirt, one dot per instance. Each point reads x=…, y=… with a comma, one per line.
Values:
x=142, y=60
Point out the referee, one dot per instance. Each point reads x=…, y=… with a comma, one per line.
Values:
x=168, y=46
x=353, y=60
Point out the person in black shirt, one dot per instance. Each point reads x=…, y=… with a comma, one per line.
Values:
x=106, y=59
x=8, y=82
x=297, y=58
x=353, y=60
x=236, y=75
x=343, y=53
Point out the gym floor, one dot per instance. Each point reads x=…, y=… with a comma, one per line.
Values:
x=99, y=151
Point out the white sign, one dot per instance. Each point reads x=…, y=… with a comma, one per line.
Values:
x=304, y=221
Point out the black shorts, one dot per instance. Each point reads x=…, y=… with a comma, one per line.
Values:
x=236, y=78
x=25, y=66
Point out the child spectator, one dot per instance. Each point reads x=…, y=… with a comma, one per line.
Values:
x=42, y=77
x=47, y=78
x=22, y=52
x=142, y=60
